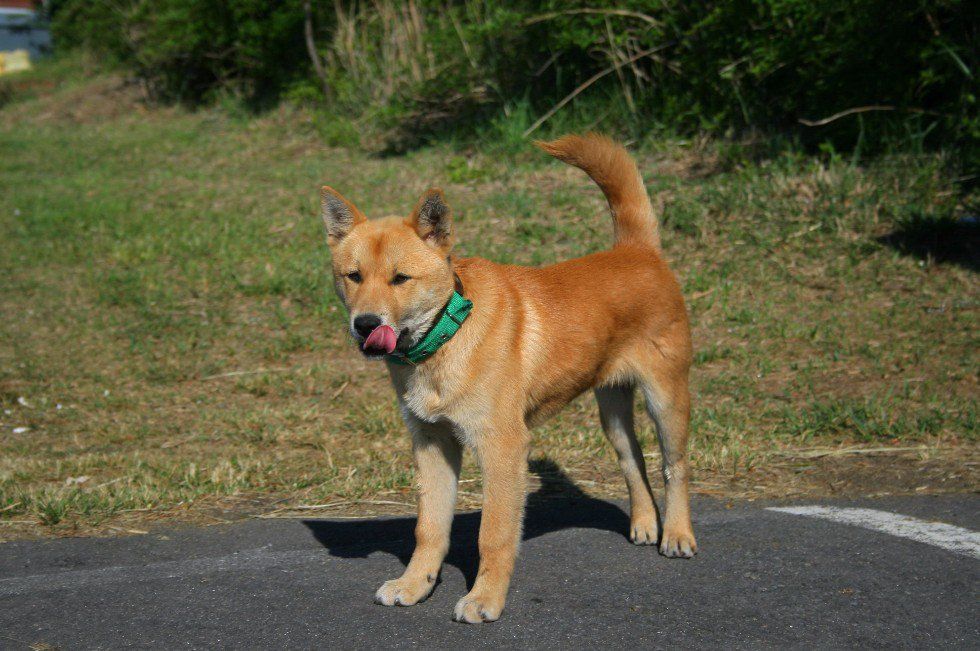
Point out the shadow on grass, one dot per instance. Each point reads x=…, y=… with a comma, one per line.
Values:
x=938, y=239
x=558, y=504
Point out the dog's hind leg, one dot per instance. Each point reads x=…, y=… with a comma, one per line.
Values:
x=668, y=402
x=616, y=414
x=438, y=456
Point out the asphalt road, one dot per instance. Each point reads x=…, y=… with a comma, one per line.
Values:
x=762, y=579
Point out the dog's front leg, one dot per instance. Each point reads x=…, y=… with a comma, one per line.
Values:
x=503, y=459
x=437, y=461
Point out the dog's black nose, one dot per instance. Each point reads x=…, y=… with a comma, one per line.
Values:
x=365, y=324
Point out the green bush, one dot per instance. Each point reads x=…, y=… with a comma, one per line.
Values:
x=414, y=70
x=189, y=49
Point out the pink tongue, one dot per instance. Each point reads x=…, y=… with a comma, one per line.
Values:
x=381, y=338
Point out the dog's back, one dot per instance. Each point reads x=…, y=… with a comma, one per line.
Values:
x=603, y=318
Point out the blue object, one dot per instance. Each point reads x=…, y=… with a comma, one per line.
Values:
x=23, y=29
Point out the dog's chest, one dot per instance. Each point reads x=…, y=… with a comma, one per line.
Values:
x=433, y=397
x=424, y=397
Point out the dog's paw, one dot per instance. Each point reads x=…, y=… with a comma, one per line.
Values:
x=678, y=544
x=404, y=591
x=477, y=607
x=644, y=530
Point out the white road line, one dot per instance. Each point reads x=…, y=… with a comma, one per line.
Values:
x=940, y=534
x=249, y=560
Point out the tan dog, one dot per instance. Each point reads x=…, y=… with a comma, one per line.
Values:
x=536, y=339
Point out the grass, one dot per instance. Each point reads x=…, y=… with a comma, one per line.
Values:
x=170, y=346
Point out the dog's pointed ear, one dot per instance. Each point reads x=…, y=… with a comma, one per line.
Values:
x=432, y=220
x=339, y=214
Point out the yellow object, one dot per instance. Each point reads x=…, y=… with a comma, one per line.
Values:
x=14, y=61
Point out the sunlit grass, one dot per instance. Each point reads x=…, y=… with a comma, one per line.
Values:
x=169, y=336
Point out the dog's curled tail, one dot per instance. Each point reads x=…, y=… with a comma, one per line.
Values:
x=614, y=171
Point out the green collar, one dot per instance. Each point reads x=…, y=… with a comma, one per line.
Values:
x=449, y=323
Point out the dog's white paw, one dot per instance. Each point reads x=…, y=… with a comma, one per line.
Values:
x=644, y=530
x=404, y=591
x=476, y=608
x=678, y=544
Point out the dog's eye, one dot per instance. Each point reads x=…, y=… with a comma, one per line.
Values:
x=399, y=279
x=355, y=276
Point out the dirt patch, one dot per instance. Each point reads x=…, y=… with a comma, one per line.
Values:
x=851, y=474
x=856, y=475
x=104, y=99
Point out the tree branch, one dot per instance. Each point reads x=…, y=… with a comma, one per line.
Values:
x=602, y=12
x=588, y=82
x=844, y=114
x=311, y=47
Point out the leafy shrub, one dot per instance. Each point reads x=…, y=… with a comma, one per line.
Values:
x=887, y=72
x=188, y=49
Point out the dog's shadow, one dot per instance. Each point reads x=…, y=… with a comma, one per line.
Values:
x=557, y=504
